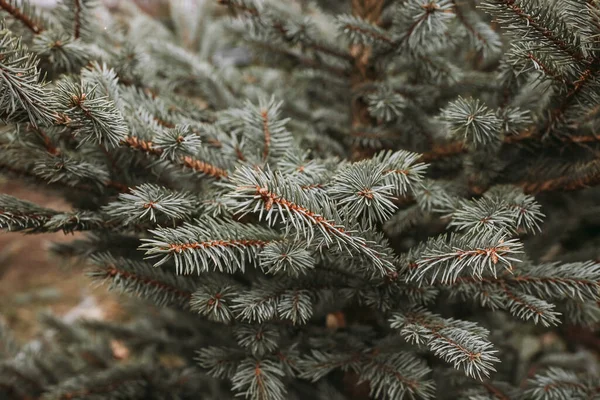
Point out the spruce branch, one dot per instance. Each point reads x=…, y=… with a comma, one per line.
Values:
x=522, y=293
x=363, y=191
x=192, y=163
x=90, y=114
x=220, y=362
x=464, y=344
x=259, y=339
x=263, y=129
x=361, y=32
x=390, y=375
x=175, y=142
x=289, y=31
x=418, y=19
x=61, y=50
x=397, y=375
x=148, y=202
x=24, y=91
x=529, y=307
x=574, y=177
x=526, y=210
x=483, y=214
x=8, y=167
x=16, y=214
x=276, y=199
x=77, y=19
x=21, y=215
x=558, y=383
x=290, y=301
x=477, y=124
x=214, y=299
x=209, y=244
x=444, y=258
x=288, y=257
x=140, y=279
x=259, y=380
x=23, y=12
x=486, y=40
x=528, y=20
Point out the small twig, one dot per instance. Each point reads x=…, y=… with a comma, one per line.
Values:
x=18, y=14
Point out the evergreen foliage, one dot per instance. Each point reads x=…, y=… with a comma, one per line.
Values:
x=377, y=204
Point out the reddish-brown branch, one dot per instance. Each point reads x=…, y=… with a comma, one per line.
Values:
x=443, y=151
x=366, y=32
x=411, y=383
x=466, y=23
x=163, y=123
x=19, y=15
x=516, y=299
x=141, y=145
x=544, y=67
x=50, y=147
x=564, y=183
x=189, y=162
x=270, y=199
x=509, y=279
x=267, y=132
x=204, y=167
x=429, y=9
x=547, y=33
x=435, y=331
x=306, y=61
x=281, y=28
x=113, y=271
x=553, y=385
x=178, y=248
x=315, y=46
x=77, y=19
x=494, y=391
x=83, y=188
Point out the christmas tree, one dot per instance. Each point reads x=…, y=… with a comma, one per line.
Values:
x=332, y=200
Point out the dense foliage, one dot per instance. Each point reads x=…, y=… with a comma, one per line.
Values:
x=374, y=198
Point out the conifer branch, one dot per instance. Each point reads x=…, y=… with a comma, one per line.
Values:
x=77, y=19
x=209, y=244
x=149, y=147
x=275, y=199
x=205, y=168
x=50, y=147
x=462, y=343
x=280, y=27
x=267, y=132
x=17, y=13
x=303, y=60
x=579, y=177
x=444, y=150
x=137, y=278
x=495, y=391
x=509, y=11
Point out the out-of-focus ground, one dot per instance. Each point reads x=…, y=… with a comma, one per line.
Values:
x=32, y=281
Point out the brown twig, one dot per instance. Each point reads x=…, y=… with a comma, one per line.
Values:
x=189, y=162
x=267, y=132
x=113, y=271
x=19, y=15
x=77, y=19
